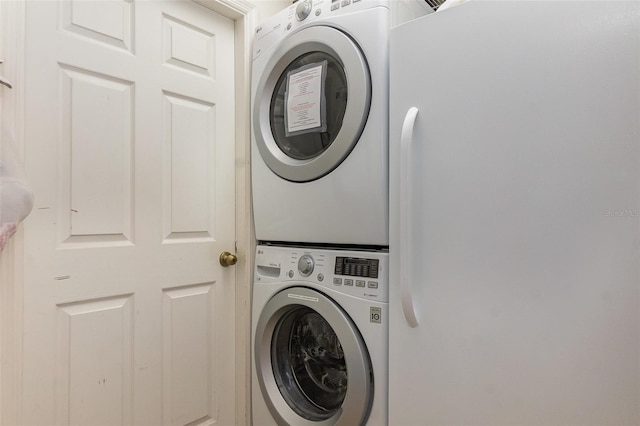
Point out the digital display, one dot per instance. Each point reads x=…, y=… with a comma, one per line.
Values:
x=357, y=267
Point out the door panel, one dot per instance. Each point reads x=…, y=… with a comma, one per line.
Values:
x=96, y=177
x=84, y=397
x=128, y=316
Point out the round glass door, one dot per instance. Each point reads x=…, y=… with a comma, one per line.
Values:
x=312, y=364
x=311, y=103
x=308, y=364
x=307, y=145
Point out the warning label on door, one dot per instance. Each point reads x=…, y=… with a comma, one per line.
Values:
x=305, y=109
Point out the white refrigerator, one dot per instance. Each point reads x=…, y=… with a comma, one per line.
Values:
x=515, y=215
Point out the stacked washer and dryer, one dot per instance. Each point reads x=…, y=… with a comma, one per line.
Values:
x=320, y=199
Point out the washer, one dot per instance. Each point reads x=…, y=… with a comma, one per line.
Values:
x=320, y=335
x=320, y=121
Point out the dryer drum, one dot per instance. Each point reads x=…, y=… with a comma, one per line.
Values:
x=312, y=155
x=310, y=145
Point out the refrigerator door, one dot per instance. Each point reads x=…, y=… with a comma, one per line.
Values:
x=515, y=215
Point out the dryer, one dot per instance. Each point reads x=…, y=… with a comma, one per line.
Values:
x=320, y=119
x=319, y=334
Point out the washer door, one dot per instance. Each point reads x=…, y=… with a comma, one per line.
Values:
x=340, y=108
x=312, y=364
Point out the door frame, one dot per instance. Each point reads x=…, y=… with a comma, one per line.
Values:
x=12, y=105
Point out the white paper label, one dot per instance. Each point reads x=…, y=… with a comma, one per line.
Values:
x=301, y=297
x=304, y=94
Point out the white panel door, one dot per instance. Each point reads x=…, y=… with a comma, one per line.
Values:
x=128, y=315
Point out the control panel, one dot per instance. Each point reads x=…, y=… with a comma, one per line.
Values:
x=357, y=273
x=357, y=267
x=305, y=12
x=285, y=22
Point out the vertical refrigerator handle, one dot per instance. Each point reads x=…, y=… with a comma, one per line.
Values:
x=406, y=209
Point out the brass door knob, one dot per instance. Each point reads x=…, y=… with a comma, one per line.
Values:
x=228, y=259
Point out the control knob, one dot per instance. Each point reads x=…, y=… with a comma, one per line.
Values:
x=305, y=265
x=303, y=9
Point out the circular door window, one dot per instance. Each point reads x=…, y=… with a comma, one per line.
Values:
x=303, y=145
x=311, y=104
x=308, y=364
x=312, y=364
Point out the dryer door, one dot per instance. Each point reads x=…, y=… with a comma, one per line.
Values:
x=312, y=364
x=311, y=103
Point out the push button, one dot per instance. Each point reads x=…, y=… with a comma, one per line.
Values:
x=337, y=281
x=372, y=284
x=360, y=283
x=348, y=281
